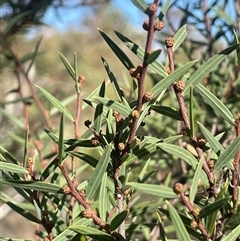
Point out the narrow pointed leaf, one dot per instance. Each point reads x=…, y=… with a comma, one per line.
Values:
x=56, y=103
x=92, y=232
x=167, y=111
x=61, y=141
x=208, y=66
x=233, y=235
x=38, y=186
x=99, y=110
x=68, y=66
x=153, y=56
x=120, y=54
x=179, y=227
x=115, y=106
x=10, y=167
x=140, y=4
x=14, y=21
x=164, y=9
x=137, y=154
x=112, y=79
x=155, y=66
x=156, y=190
x=216, y=104
x=227, y=155
x=184, y=155
x=99, y=171
x=196, y=177
x=68, y=233
x=103, y=198
x=118, y=219
x=211, y=208
x=23, y=212
x=179, y=37
x=167, y=81
x=214, y=144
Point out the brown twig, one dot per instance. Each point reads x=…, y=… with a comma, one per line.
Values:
x=81, y=200
x=178, y=87
x=31, y=86
x=179, y=189
x=143, y=72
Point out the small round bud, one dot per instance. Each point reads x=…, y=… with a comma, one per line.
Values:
x=143, y=123
x=121, y=146
x=82, y=193
x=87, y=123
x=148, y=96
x=178, y=188
x=193, y=224
x=211, y=164
x=152, y=9
x=196, y=212
x=168, y=69
x=159, y=25
x=135, y=114
x=95, y=141
x=66, y=189
x=87, y=213
x=169, y=42
x=201, y=143
x=179, y=86
x=146, y=25
x=185, y=131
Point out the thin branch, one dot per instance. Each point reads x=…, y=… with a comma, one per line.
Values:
x=31, y=86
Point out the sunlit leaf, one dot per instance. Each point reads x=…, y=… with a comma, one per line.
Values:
x=115, y=106
x=17, y=208
x=56, y=103
x=92, y=232
x=207, y=67
x=67, y=65
x=179, y=227
x=227, y=155
x=98, y=173
x=153, y=56
x=38, y=186
x=195, y=181
x=140, y=4
x=215, y=103
x=156, y=190
x=10, y=167
x=120, y=54
x=155, y=66
x=179, y=37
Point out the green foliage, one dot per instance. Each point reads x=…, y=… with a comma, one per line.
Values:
x=163, y=156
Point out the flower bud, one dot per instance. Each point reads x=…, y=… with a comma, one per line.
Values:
x=169, y=42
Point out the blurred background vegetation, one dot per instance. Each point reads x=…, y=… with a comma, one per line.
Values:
x=23, y=29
